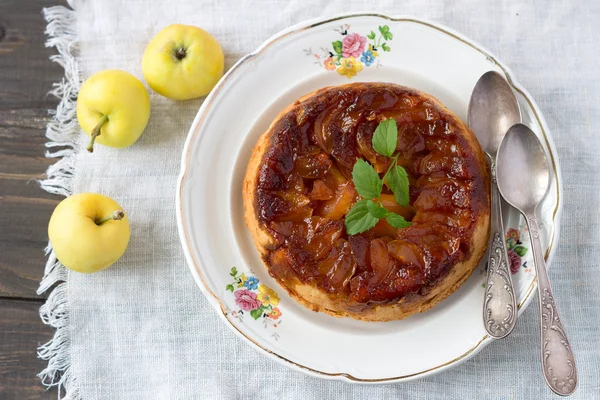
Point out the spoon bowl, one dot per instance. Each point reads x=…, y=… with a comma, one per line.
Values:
x=521, y=150
x=493, y=109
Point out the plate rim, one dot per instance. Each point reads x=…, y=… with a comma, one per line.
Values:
x=308, y=24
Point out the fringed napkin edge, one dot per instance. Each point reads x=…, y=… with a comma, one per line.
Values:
x=62, y=132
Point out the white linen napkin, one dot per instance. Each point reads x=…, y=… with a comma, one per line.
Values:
x=142, y=329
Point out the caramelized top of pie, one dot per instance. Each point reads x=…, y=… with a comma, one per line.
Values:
x=305, y=189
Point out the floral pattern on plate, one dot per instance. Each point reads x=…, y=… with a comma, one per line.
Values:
x=254, y=298
x=354, y=51
x=516, y=253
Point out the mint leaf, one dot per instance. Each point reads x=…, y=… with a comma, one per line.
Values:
x=256, y=313
x=229, y=287
x=397, y=181
x=385, y=47
x=376, y=210
x=385, y=137
x=337, y=46
x=397, y=221
x=359, y=219
x=371, y=35
x=366, y=180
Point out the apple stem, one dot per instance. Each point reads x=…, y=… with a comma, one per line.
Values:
x=180, y=53
x=114, y=216
x=96, y=132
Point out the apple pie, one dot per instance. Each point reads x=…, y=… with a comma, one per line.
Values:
x=298, y=189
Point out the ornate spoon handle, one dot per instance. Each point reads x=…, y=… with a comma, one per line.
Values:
x=558, y=363
x=500, y=303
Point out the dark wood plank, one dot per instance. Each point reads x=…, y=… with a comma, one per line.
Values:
x=21, y=331
x=27, y=74
x=30, y=258
x=22, y=246
x=26, y=77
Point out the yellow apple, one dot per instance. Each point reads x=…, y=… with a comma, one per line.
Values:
x=183, y=62
x=113, y=108
x=88, y=232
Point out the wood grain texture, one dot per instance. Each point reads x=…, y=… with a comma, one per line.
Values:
x=26, y=77
x=21, y=331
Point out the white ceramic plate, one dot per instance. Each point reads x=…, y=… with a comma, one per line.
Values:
x=418, y=54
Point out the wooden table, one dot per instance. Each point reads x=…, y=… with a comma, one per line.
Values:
x=26, y=77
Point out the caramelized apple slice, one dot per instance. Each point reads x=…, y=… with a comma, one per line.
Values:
x=295, y=199
x=289, y=263
x=295, y=183
x=438, y=161
x=339, y=266
x=284, y=206
x=381, y=264
x=436, y=180
x=443, y=194
x=313, y=166
x=409, y=141
x=383, y=229
x=435, y=240
x=340, y=204
x=406, y=279
x=323, y=128
x=415, y=114
x=438, y=243
x=360, y=249
x=322, y=235
x=281, y=262
x=364, y=139
x=345, y=151
x=320, y=191
x=459, y=219
x=430, y=199
x=297, y=215
x=334, y=178
x=407, y=253
x=290, y=228
x=346, y=171
x=444, y=145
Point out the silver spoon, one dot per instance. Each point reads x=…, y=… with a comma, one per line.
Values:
x=521, y=150
x=493, y=109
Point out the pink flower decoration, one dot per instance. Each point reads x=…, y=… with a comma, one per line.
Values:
x=247, y=300
x=515, y=261
x=353, y=45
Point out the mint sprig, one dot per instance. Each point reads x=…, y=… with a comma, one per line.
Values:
x=365, y=214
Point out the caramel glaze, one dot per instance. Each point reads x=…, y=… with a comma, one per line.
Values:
x=304, y=190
